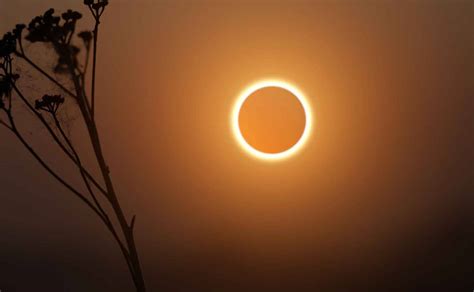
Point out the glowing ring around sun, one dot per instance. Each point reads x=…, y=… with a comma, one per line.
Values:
x=235, y=119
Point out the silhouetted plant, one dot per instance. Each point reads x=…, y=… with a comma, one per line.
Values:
x=59, y=31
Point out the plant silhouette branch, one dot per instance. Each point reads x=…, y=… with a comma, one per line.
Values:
x=58, y=32
x=102, y=215
x=56, y=139
x=79, y=165
x=94, y=62
x=21, y=54
x=45, y=74
x=95, y=140
x=98, y=210
x=96, y=145
x=96, y=12
x=17, y=133
x=5, y=125
x=108, y=223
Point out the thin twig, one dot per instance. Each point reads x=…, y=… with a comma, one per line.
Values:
x=137, y=274
x=79, y=164
x=86, y=65
x=108, y=223
x=94, y=61
x=17, y=133
x=56, y=139
x=29, y=61
x=5, y=125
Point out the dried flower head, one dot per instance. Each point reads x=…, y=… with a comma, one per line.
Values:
x=49, y=103
x=86, y=37
x=6, y=82
x=7, y=44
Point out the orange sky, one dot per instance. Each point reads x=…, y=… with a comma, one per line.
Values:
x=387, y=170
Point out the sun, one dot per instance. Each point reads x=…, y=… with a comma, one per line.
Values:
x=240, y=131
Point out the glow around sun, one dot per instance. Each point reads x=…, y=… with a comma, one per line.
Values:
x=237, y=130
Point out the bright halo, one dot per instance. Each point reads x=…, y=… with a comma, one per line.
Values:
x=249, y=91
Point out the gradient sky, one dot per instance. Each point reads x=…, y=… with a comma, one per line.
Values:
x=381, y=196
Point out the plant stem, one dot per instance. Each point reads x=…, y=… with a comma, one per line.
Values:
x=79, y=164
x=94, y=61
x=29, y=61
x=127, y=231
x=89, y=120
x=55, y=138
x=48, y=169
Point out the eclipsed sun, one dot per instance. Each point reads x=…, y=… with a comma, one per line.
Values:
x=271, y=120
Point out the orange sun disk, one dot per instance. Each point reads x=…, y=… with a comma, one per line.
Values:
x=271, y=120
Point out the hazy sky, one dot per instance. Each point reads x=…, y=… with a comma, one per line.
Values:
x=381, y=196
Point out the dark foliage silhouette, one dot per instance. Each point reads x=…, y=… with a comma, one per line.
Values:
x=58, y=32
